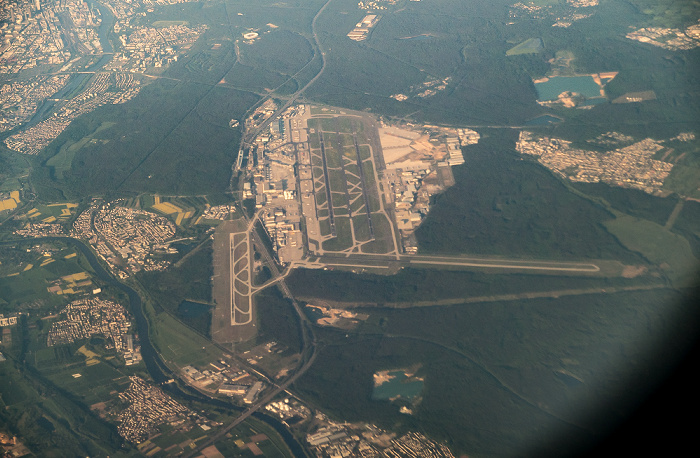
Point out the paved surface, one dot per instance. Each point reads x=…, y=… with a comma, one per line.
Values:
x=233, y=319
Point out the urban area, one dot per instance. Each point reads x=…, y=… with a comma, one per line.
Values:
x=54, y=48
x=85, y=318
x=632, y=166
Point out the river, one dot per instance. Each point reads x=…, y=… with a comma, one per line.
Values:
x=154, y=364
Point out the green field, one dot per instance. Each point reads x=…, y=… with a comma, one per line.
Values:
x=24, y=280
x=63, y=160
x=529, y=46
x=661, y=247
x=383, y=240
x=343, y=239
x=179, y=345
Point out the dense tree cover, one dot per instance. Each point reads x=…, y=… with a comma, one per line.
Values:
x=632, y=201
x=426, y=285
x=687, y=225
x=503, y=204
x=172, y=138
x=189, y=281
x=509, y=378
x=277, y=318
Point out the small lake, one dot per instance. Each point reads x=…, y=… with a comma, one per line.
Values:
x=584, y=85
x=398, y=386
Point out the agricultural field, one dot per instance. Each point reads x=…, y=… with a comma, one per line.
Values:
x=42, y=278
x=174, y=208
x=11, y=202
x=50, y=213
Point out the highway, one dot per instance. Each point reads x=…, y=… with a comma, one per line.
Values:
x=249, y=136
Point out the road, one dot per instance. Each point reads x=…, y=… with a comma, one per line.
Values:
x=308, y=340
x=249, y=136
x=308, y=354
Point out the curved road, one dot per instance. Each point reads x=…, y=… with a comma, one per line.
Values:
x=254, y=133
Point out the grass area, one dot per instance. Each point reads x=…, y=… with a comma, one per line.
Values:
x=357, y=205
x=371, y=187
x=661, y=247
x=364, y=152
x=343, y=239
x=13, y=165
x=333, y=159
x=340, y=203
x=529, y=46
x=63, y=160
x=383, y=240
x=179, y=345
x=325, y=226
x=350, y=153
x=361, y=226
x=337, y=180
x=96, y=383
x=160, y=24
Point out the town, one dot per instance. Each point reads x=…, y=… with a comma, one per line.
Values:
x=126, y=238
x=85, y=318
x=630, y=167
x=37, y=137
x=54, y=47
x=332, y=439
x=668, y=38
x=148, y=407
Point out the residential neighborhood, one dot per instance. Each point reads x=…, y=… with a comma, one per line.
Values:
x=85, y=318
x=630, y=167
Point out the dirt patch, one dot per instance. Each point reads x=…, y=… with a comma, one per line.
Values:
x=633, y=271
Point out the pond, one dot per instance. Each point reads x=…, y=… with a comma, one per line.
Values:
x=584, y=85
x=397, y=385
